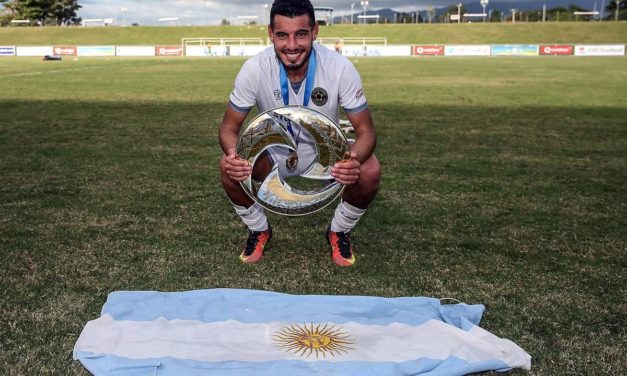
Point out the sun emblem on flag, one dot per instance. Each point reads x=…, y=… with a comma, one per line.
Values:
x=319, y=339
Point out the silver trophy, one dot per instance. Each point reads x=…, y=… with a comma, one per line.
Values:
x=296, y=146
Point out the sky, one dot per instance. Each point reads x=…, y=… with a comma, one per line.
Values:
x=211, y=12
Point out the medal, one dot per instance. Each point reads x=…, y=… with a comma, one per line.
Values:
x=291, y=162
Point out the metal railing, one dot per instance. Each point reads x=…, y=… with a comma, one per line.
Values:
x=221, y=42
x=353, y=40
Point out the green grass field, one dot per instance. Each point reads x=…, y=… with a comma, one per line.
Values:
x=554, y=32
x=505, y=183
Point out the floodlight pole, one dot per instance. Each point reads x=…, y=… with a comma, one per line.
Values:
x=364, y=4
x=595, y=8
x=124, y=10
x=513, y=15
x=352, y=6
x=263, y=18
x=617, y=10
x=459, y=12
x=484, y=3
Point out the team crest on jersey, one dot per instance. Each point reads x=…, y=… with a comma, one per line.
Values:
x=360, y=93
x=277, y=95
x=319, y=96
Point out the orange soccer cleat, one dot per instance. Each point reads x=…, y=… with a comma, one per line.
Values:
x=255, y=244
x=341, y=250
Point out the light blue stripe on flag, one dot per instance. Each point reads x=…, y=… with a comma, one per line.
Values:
x=253, y=306
x=241, y=332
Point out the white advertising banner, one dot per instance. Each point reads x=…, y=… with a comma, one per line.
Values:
x=7, y=51
x=245, y=50
x=467, y=50
x=353, y=50
x=388, y=50
x=205, y=51
x=135, y=51
x=95, y=51
x=374, y=50
x=219, y=50
x=34, y=51
x=196, y=51
x=600, y=50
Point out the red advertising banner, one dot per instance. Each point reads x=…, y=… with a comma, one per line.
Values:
x=64, y=50
x=556, y=49
x=428, y=50
x=168, y=50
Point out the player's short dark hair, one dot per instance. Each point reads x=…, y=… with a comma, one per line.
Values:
x=291, y=9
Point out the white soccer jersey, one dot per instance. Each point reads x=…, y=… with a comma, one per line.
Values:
x=336, y=83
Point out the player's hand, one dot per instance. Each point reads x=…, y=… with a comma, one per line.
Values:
x=236, y=168
x=347, y=171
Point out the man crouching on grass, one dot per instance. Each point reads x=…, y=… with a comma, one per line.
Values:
x=334, y=82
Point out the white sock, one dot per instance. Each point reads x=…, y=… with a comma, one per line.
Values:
x=252, y=217
x=346, y=217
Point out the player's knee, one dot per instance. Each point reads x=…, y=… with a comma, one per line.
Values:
x=370, y=176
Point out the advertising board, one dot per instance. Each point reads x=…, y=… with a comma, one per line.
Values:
x=467, y=50
x=204, y=51
x=7, y=50
x=600, y=50
x=64, y=50
x=375, y=50
x=95, y=50
x=168, y=51
x=514, y=50
x=135, y=51
x=428, y=50
x=354, y=50
x=196, y=51
x=33, y=51
x=245, y=50
x=556, y=49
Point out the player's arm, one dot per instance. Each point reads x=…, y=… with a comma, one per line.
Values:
x=236, y=168
x=352, y=98
x=241, y=100
x=347, y=171
x=365, y=135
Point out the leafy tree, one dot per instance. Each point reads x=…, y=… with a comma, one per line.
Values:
x=225, y=22
x=64, y=12
x=610, y=10
x=496, y=16
x=44, y=12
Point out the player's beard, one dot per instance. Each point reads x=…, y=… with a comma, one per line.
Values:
x=296, y=66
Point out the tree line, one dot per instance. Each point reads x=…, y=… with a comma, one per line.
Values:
x=40, y=12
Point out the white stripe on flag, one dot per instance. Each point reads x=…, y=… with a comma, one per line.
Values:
x=237, y=341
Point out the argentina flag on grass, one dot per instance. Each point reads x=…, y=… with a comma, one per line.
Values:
x=247, y=332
